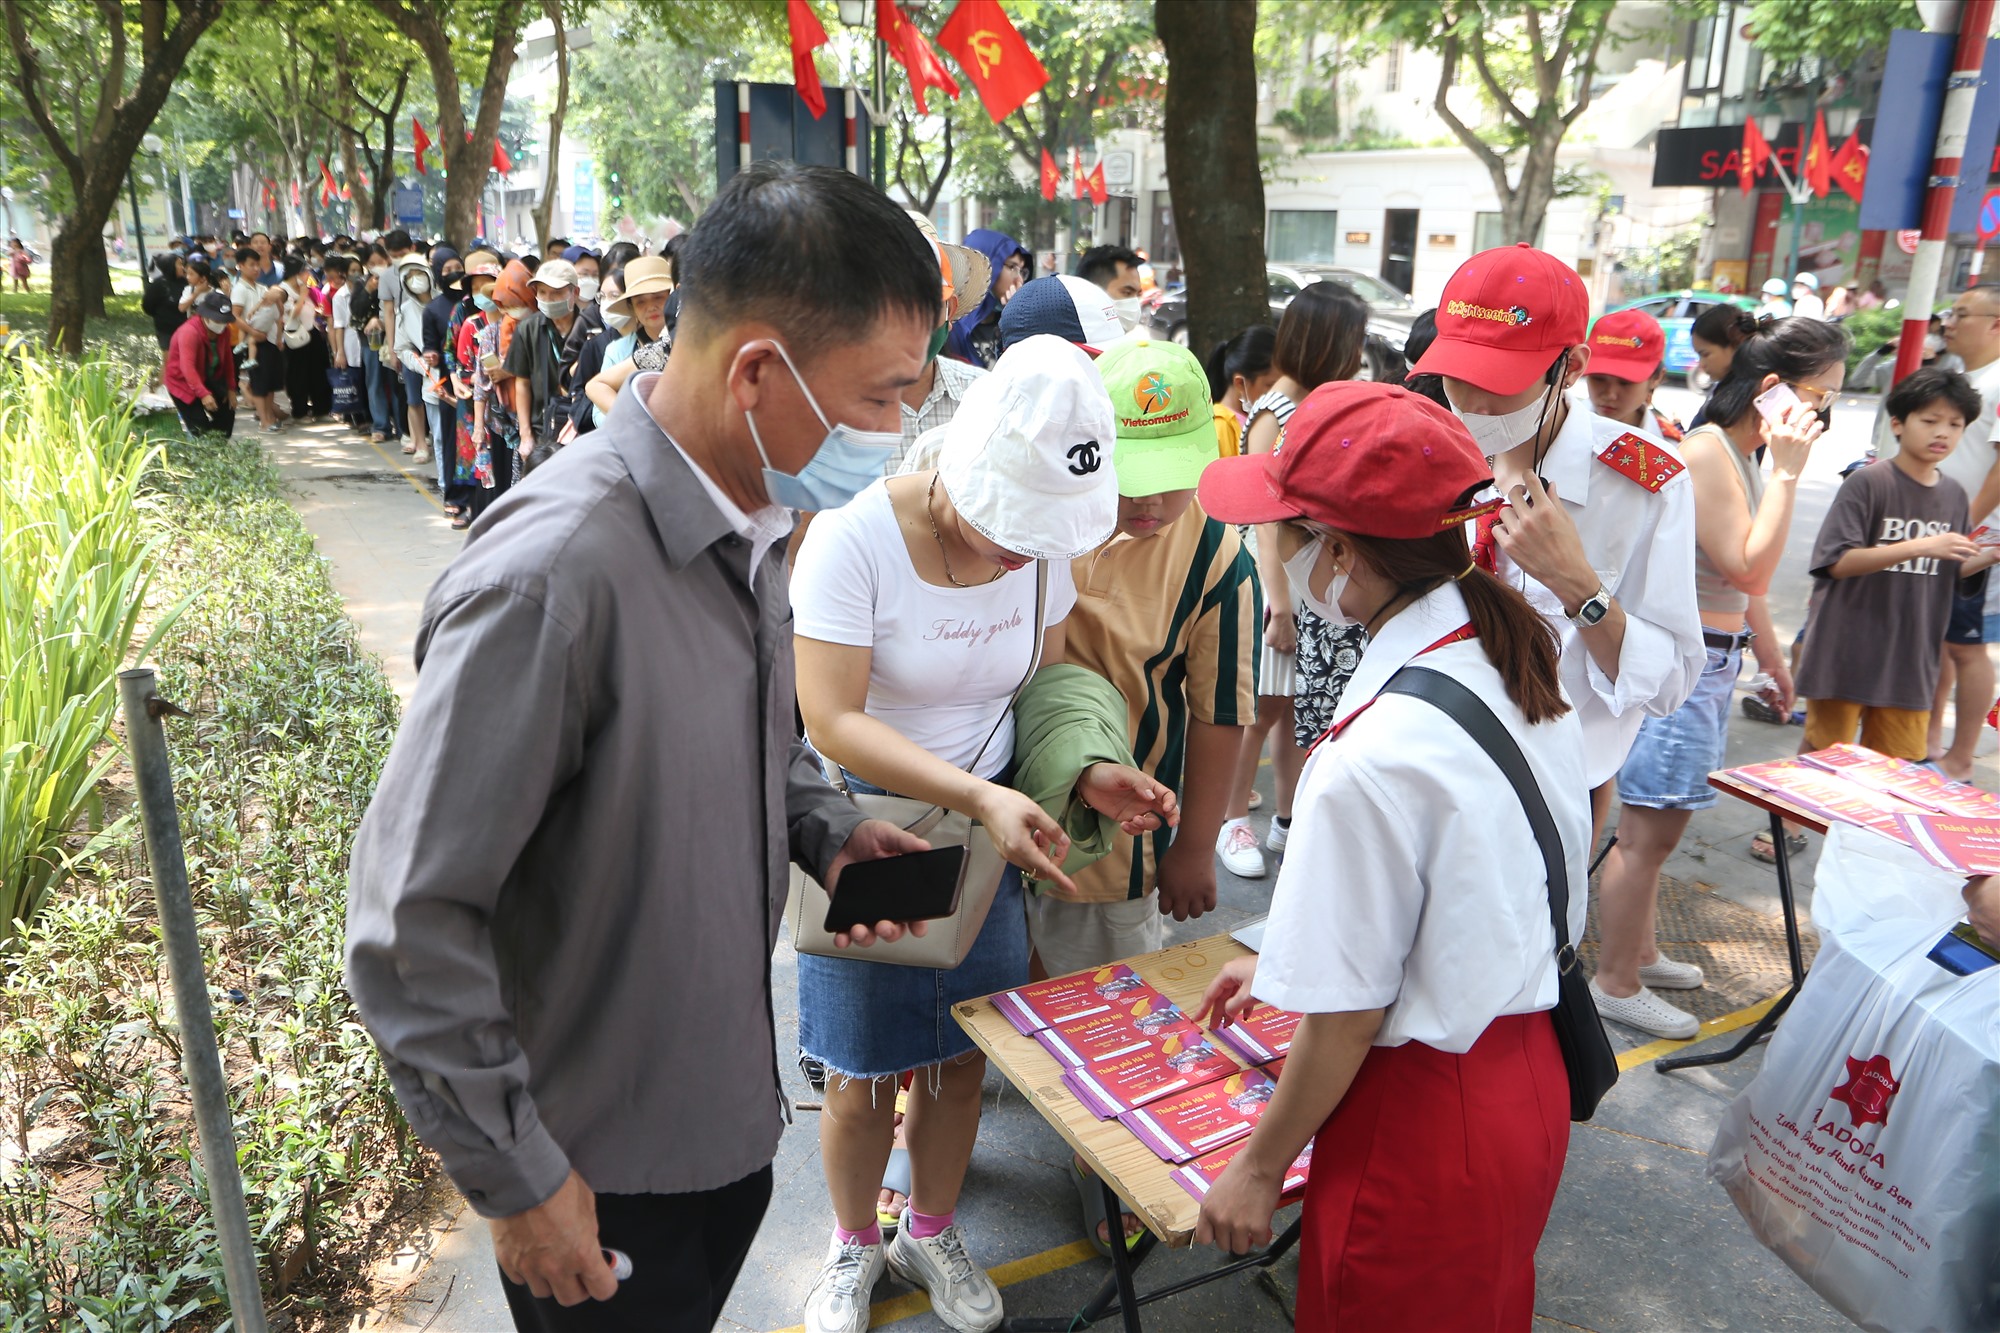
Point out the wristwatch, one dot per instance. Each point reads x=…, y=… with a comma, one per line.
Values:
x=1593, y=610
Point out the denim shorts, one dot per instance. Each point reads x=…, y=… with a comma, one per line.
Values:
x=1670, y=762
x=875, y=1020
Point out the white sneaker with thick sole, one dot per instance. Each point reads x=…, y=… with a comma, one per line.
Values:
x=962, y=1295
x=1237, y=846
x=839, y=1299
x=1280, y=834
x=1668, y=974
x=1646, y=1012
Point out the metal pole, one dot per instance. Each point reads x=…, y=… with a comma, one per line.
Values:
x=138, y=228
x=881, y=130
x=1974, y=18
x=200, y=1060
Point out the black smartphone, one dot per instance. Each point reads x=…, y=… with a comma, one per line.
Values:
x=916, y=886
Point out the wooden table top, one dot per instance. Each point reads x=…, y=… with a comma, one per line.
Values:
x=1135, y=1172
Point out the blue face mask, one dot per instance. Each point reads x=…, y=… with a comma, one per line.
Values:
x=485, y=302
x=848, y=460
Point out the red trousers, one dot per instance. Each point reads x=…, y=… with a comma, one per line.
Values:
x=1431, y=1185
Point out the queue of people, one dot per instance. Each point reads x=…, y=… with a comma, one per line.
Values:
x=913, y=533
x=375, y=335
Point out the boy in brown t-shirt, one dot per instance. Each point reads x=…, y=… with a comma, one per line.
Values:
x=1889, y=553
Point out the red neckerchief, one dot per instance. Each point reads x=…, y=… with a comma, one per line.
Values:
x=1485, y=546
x=1459, y=635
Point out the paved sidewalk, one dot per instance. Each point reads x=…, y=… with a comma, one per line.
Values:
x=1639, y=1240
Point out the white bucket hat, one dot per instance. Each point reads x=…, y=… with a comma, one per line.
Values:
x=1027, y=458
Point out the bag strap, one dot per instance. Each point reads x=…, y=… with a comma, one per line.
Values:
x=1467, y=709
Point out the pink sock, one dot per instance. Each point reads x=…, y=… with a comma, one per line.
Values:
x=924, y=1225
x=868, y=1235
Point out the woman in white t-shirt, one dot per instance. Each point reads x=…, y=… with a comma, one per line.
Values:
x=1412, y=922
x=915, y=620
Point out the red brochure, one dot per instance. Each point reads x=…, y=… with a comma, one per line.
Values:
x=1260, y=1034
x=1200, y=1175
x=1119, y=1031
x=1921, y=786
x=1830, y=796
x=1968, y=846
x=1079, y=995
x=1172, y=1064
x=1188, y=1124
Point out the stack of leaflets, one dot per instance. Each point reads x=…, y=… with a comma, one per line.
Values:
x=1199, y=1176
x=1832, y=797
x=1182, y=1127
x=1260, y=1034
x=1119, y=1031
x=1079, y=995
x=1164, y=1067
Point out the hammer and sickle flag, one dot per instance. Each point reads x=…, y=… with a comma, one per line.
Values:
x=993, y=55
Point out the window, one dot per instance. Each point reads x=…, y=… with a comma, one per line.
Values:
x=1487, y=233
x=1392, y=68
x=1302, y=237
x=1280, y=287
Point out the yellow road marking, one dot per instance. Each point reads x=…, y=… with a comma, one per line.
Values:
x=415, y=485
x=1714, y=1027
x=1006, y=1275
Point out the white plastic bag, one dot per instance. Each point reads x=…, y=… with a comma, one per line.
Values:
x=1866, y=1152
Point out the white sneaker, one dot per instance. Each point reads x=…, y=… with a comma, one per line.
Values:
x=1237, y=846
x=1279, y=836
x=838, y=1300
x=961, y=1293
x=1646, y=1012
x=1256, y=799
x=1668, y=974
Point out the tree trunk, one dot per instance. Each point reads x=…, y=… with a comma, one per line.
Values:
x=1211, y=142
x=552, y=159
x=71, y=256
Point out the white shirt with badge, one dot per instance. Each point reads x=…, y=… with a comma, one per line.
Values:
x=1412, y=881
x=1640, y=540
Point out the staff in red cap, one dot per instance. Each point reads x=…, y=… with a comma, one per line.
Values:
x=1412, y=920
x=1627, y=363
x=1598, y=528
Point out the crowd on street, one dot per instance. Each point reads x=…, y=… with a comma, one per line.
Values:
x=817, y=541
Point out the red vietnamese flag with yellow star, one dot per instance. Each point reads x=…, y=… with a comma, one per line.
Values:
x=1051, y=176
x=1756, y=153
x=1100, y=194
x=993, y=55
x=1819, y=158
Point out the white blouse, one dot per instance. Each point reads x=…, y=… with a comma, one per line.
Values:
x=1413, y=882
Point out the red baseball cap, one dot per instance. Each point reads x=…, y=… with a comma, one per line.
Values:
x=1372, y=459
x=1503, y=318
x=1627, y=344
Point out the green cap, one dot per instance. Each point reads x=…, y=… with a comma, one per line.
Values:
x=1166, y=420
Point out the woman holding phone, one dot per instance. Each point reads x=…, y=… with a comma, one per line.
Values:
x=1780, y=385
x=1411, y=924
x=916, y=616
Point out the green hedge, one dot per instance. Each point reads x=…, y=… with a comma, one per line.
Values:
x=105, y=1226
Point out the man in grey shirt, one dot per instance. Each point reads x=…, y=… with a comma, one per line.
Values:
x=565, y=894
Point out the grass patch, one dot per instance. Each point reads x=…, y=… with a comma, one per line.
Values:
x=103, y=1215
x=123, y=336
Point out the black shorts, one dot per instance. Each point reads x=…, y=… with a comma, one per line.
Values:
x=1968, y=612
x=267, y=372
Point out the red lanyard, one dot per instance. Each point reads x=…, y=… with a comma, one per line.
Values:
x=1459, y=635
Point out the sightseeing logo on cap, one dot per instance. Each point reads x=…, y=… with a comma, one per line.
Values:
x=1635, y=342
x=1153, y=393
x=1515, y=315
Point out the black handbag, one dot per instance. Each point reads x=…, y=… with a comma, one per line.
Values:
x=1586, y=1051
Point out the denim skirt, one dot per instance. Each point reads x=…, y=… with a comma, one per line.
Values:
x=874, y=1020
x=1670, y=761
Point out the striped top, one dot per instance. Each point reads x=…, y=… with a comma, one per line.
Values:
x=1172, y=620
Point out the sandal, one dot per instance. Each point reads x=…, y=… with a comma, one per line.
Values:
x=461, y=520
x=895, y=1179
x=1762, y=850
x=1091, y=1196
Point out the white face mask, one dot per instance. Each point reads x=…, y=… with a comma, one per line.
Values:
x=1299, y=571
x=586, y=288
x=214, y=325
x=1128, y=311
x=622, y=323
x=1498, y=433
x=554, y=307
